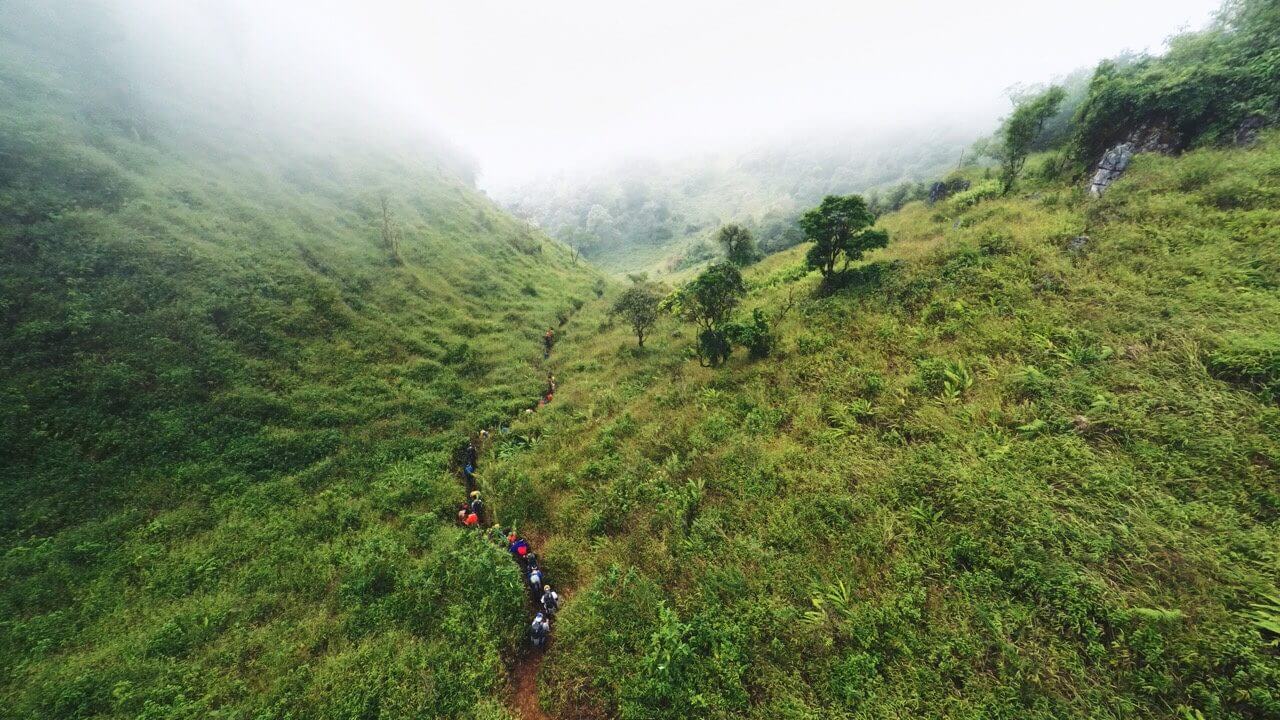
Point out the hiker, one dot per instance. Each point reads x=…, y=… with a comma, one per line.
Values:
x=551, y=386
x=547, y=341
x=518, y=548
x=550, y=601
x=471, y=454
x=531, y=560
x=469, y=472
x=462, y=514
x=471, y=520
x=535, y=579
x=539, y=629
x=477, y=507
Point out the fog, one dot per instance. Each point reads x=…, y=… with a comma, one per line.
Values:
x=536, y=88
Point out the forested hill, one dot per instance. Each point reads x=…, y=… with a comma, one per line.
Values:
x=235, y=363
x=660, y=216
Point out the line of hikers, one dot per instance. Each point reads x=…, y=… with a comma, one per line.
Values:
x=541, y=592
x=471, y=512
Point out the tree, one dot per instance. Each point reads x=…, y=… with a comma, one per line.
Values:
x=739, y=247
x=638, y=305
x=708, y=301
x=840, y=226
x=580, y=242
x=1020, y=131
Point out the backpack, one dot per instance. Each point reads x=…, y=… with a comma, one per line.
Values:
x=551, y=601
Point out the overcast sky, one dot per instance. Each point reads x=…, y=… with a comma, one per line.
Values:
x=539, y=86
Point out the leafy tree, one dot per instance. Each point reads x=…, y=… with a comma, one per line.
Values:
x=1021, y=130
x=738, y=244
x=638, y=305
x=580, y=242
x=840, y=226
x=708, y=301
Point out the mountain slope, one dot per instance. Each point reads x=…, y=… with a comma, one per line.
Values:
x=1003, y=472
x=233, y=384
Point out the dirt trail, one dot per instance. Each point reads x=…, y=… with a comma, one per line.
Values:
x=524, y=681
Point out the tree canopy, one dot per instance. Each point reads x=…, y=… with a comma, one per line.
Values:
x=1020, y=131
x=638, y=306
x=708, y=301
x=840, y=227
x=738, y=244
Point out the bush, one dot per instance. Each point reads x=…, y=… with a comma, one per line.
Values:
x=974, y=195
x=754, y=335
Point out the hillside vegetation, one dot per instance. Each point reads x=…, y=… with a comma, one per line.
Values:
x=235, y=368
x=659, y=217
x=1001, y=472
x=1011, y=454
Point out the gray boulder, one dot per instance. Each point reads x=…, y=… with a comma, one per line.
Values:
x=1116, y=160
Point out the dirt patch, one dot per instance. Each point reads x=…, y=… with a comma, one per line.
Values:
x=524, y=682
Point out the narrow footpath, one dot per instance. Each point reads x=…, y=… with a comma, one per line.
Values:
x=524, y=673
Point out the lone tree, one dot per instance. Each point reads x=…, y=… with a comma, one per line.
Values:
x=840, y=227
x=708, y=301
x=1020, y=131
x=739, y=246
x=638, y=305
x=580, y=241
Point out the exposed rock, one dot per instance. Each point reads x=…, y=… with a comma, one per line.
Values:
x=1247, y=133
x=1117, y=159
x=1110, y=168
x=940, y=190
x=1081, y=423
x=937, y=191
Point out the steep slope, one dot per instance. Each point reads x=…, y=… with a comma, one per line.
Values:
x=235, y=367
x=1024, y=464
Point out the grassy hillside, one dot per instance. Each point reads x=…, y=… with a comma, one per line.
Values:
x=232, y=390
x=1001, y=473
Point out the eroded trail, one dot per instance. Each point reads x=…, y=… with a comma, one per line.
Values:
x=524, y=686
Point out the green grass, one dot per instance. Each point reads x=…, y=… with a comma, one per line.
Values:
x=990, y=477
x=229, y=416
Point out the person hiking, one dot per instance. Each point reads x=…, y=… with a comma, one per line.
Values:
x=469, y=472
x=518, y=548
x=550, y=601
x=551, y=386
x=471, y=520
x=548, y=340
x=535, y=579
x=472, y=460
x=538, y=630
x=462, y=514
x=477, y=506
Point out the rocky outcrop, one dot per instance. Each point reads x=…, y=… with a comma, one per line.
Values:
x=1247, y=133
x=940, y=190
x=1116, y=160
